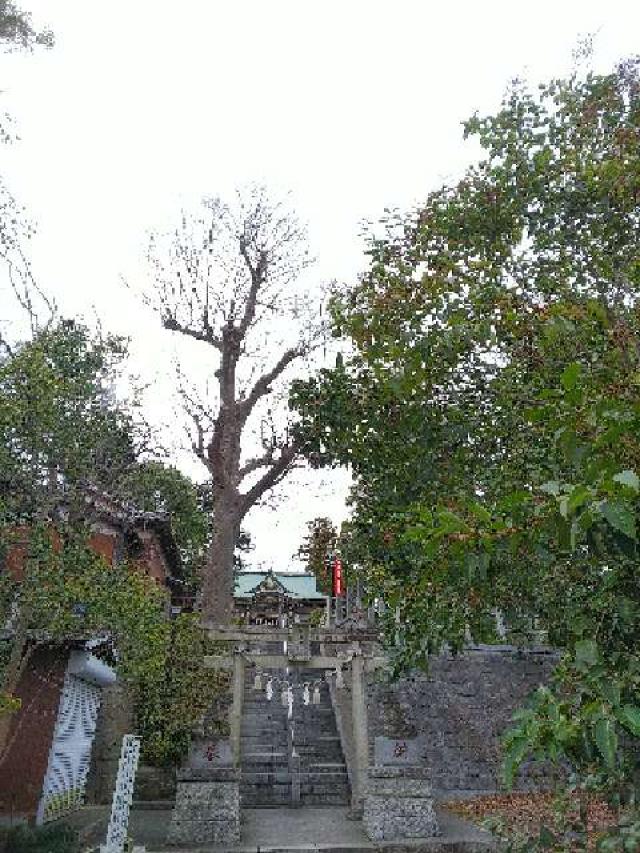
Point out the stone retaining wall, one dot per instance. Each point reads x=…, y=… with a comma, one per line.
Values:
x=458, y=710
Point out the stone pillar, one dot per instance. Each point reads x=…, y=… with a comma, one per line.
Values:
x=235, y=721
x=207, y=808
x=360, y=733
x=399, y=804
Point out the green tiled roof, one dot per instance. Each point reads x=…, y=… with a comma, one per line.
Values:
x=297, y=585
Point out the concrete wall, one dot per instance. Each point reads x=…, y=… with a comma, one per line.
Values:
x=459, y=710
x=115, y=719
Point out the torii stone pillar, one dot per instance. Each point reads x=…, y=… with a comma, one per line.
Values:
x=360, y=733
x=235, y=721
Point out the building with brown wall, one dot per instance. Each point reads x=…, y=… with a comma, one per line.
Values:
x=44, y=768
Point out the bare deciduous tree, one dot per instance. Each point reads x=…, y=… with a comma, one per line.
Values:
x=227, y=278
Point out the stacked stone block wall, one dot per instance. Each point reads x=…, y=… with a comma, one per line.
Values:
x=459, y=710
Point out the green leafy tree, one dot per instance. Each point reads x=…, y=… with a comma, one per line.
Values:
x=152, y=486
x=489, y=410
x=317, y=547
x=60, y=428
x=178, y=695
x=68, y=593
x=62, y=436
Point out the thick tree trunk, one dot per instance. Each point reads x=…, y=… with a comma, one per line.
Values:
x=218, y=580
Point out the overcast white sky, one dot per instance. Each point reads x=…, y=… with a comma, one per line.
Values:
x=352, y=105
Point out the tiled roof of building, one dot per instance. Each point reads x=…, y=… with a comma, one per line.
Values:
x=297, y=585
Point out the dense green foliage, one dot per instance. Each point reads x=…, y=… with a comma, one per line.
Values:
x=178, y=693
x=60, y=429
x=68, y=593
x=490, y=409
x=152, y=486
x=318, y=545
x=57, y=838
x=64, y=439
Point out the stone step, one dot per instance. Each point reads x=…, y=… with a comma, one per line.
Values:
x=261, y=777
x=263, y=731
x=269, y=759
x=267, y=731
x=265, y=728
x=253, y=745
x=264, y=720
x=265, y=756
x=266, y=712
x=324, y=799
x=325, y=793
x=324, y=784
x=250, y=776
x=308, y=753
x=250, y=750
x=316, y=774
x=327, y=767
x=321, y=727
x=251, y=795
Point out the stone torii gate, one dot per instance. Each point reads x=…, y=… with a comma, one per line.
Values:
x=395, y=802
x=297, y=651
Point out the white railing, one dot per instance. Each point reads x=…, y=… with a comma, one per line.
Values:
x=122, y=796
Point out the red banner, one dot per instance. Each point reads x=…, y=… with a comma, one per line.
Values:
x=338, y=587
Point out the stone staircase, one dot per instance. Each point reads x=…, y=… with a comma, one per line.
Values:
x=289, y=763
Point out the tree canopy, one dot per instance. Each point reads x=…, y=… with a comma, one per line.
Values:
x=65, y=438
x=318, y=545
x=60, y=428
x=489, y=408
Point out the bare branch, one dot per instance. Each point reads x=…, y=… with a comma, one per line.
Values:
x=258, y=277
x=277, y=472
x=201, y=419
x=170, y=323
x=255, y=464
x=14, y=229
x=263, y=385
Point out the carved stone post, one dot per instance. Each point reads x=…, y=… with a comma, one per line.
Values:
x=360, y=733
x=235, y=722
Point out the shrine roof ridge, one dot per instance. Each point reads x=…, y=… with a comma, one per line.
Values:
x=301, y=585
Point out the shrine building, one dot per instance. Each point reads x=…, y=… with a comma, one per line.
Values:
x=278, y=599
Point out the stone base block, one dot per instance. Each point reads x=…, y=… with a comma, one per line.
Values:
x=203, y=832
x=206, y=811
x=399, y=805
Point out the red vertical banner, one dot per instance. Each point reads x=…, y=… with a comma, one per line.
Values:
x=338, y=585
